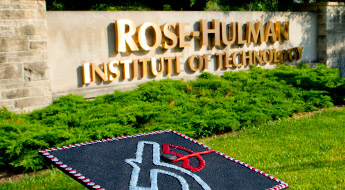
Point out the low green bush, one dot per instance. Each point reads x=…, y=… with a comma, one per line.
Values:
x=207, y=106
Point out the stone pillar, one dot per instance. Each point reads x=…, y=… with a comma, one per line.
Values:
x=331, y=31
x=335, y=23
x=24, y=80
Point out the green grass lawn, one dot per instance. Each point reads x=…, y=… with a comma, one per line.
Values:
x=307, y=153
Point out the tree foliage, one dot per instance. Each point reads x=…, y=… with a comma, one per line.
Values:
x=177, y=5
x=125, y=5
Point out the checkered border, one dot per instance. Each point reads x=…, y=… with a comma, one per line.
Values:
x=92, y=185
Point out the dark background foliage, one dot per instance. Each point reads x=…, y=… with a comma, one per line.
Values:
x=195, y=5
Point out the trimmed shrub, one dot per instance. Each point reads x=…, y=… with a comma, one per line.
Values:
x=207, y=106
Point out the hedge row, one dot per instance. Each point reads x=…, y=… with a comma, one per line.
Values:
x=207, y=106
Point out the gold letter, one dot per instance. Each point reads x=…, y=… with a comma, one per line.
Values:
x=265, y=58
x=181, y=35
x=191, y=62
x=253, y=35
x=234, y=61
x=282, y=30
x=172, y=42
x=206, y=60
x=86, y=73
x=114, y=71
x=178, y=64
x=144, y=67
x=126, y=68
x=95, y=69
x=205, y=31
x=153, y=66
x=293, y=54
x=232, y=33
x=123, y=37
x=169, y=65
x=276, y=58
x=249, y=57
x=257, y=58
x=240, y=35
x=161, y=66
x=285, y=56
x=219, y=60
x=270, y=32
x=135, y=69
x=228, y=58
x=157, y=37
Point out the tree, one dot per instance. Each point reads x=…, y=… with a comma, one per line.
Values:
x=125, y=5
x=195, y=5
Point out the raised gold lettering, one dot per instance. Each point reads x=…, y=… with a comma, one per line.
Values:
x=293, y=54
x=282, y=56
x=247, y=56
x=126, y=68
x=144, y=67
x=276, y=58
x=135, y=69
x=113, y=70
x=252, y=35
x=170, y=38
x=267, y=55
x=227, y=60
x=182, y=34
x=178, y=64
x=124, y=30
x=157, y=36
x=154, y=68
x=240, y=39
x=191, y=62
x=206, y=60
x=102, y=74
x=86, y=73
x=205, y=31
x=282, y=30
x=234, y=59
x=270, y=32
x=169, y=64
x=257, y=58
x=219, y=59
x=232, y=33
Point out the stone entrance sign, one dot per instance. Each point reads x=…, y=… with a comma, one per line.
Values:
x=44, y=55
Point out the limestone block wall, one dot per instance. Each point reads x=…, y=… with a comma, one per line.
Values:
x=24, y=76
x=330, y=31
x=335, y=21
